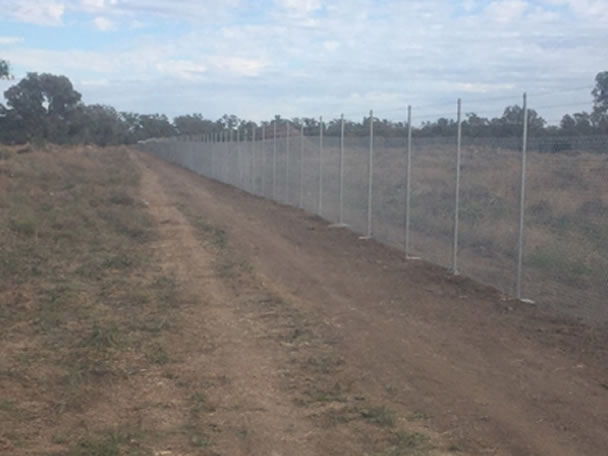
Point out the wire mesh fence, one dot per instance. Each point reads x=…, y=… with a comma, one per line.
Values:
x=566, y=254
x=489, y=211
x=433, y=199
x=466, y=218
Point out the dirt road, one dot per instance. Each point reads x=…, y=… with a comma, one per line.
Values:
x=324, y=344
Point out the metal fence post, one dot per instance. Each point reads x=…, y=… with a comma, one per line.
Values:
x=522, y=199
x=220, y=160
x=212, y=158
x=220, y=157
x=274, y=161
x=287, y=161
x=457, y=203
x=408, y=183
x=253, y=164
x=225, y=155
x=216, y=158
x=341, y=210
x=320, y=205
x=301, y=194
x=238, y=158
x=370, y=175
x=263, y=147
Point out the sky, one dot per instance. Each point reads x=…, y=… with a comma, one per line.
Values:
x=307, y=58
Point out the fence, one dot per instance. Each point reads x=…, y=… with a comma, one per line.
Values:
x=526, y=215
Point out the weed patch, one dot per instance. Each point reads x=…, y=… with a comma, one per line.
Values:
x=380, y=416
x=110, y=443
x=156, y=354
x=407, y=443
x=25, y=226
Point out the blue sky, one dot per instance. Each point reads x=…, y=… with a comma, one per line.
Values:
x=314, y=57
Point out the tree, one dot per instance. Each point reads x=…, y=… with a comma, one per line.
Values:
x=45, y=103
x=99, y=124
x=568, y=124
x=5, y=70
x=132, y=125
x=441, y=127
x=474, y=125
x=600, y=94
x=229, y=121
x=193, y=124
x=156, y=126
x=511, y=122
x=580, y=123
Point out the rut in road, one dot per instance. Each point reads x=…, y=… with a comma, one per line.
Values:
x=488, y=375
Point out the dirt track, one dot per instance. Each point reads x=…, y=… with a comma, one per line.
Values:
x=475, y=372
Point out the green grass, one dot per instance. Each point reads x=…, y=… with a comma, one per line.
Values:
x=319, y=395
x=200, y=403
x=156, y=354
x=200, y=441
x=26, y=226
x=560, y=263
x=114, y=442
x=7, y=405
x=407, y=443
x=216, y=236
x=417, y=416
x=119, y=262
x=380, y=416
x=102, y=337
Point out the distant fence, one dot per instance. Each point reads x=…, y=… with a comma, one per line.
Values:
x=526, y=215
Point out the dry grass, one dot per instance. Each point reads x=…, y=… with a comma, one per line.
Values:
x=82, y=312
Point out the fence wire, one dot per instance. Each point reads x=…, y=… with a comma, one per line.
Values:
x=388, y=192
x=433, y=198
x=566, y=251
x=489, y=210
x=565, y=254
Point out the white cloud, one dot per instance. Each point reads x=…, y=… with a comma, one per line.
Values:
x=237, y=65
x=95, y=83
x=7, y=40
x=97, y=5
x=506, y=10
x=331, y=45
x=102, y=24
x=92, y=4
x=585, y=8
x=475, y=87
x=39, y=12
x=299, y=7
x=182, y=69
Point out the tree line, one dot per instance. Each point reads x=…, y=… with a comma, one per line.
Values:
x=47, y=107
